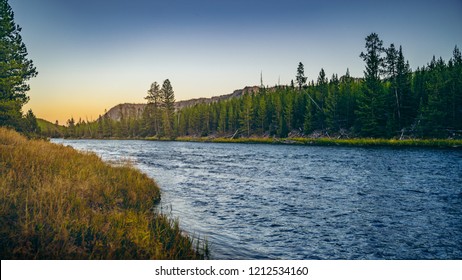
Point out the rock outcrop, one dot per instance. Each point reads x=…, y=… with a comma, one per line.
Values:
x=130, y=110
x=126, y=110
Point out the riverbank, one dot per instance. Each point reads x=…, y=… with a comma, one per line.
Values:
x=357, y=142
x=57, y=203
x=352, y=142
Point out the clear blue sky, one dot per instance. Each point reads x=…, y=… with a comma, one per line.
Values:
x=94, y=54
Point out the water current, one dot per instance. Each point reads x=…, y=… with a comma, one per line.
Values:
x=299, y=202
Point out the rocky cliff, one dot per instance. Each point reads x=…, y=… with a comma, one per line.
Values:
x=130, y=110
x=126, y=110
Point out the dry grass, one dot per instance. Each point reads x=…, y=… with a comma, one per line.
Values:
x=370, y=142
x=57, y=203
x=356, y=142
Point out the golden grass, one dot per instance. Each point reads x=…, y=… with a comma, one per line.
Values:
x=57, y=203
x=359, y=142
x=435, y=143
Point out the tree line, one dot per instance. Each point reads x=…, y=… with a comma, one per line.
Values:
x=390, y=101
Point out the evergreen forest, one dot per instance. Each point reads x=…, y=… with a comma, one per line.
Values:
x=391, y=101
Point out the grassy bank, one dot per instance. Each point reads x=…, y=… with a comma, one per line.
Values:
x=57, y=203
x=360, y=142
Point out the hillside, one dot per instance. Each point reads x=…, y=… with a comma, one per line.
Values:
x=50, y=129
x=130, y=110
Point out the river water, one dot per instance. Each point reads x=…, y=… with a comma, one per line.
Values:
x=299, y=202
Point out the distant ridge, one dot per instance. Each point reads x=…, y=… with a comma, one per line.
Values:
x=131, y=110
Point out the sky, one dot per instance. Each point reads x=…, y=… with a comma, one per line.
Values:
x=94, y=54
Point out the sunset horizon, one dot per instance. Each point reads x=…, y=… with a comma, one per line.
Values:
x=91, y=56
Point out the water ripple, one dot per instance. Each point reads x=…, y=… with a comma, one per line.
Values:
x=291, y=202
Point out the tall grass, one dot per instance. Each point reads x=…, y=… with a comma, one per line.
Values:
x=57, y=203
x=436, y=143
x=360, y=142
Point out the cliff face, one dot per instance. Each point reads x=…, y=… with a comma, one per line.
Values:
x=130, y=110
x=126, y=110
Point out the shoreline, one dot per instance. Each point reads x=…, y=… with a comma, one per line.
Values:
x=302, y=141
x=454, y=144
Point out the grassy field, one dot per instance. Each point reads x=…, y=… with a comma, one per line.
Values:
x=57, y=203
x=360, y=142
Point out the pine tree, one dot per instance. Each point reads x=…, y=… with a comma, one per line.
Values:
x=153, y=111
x=288, y=108
x=348, y=94
x=300, y=78
x=400, y=100
x=15, y=69
x=390, y=70
x=10, y=113
x=245, y=119
x=168, y=101
x=122, y=128
x=262, y=115
x=371, y=113
x=319, y=118
x=333, y=103
x=308, y=118
x=299, y=110
x=407, y=104
x=107, y=126
x=280, y=105
x=99, y=127
x=231, y=118
x=30, y=123
x=182, y=123
x=71, y=128
x=455, y=68
x=435, y=112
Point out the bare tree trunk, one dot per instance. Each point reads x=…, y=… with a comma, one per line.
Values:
x=234, y=135
x=398, y=107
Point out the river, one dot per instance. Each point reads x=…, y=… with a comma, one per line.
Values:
x=299, y=202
